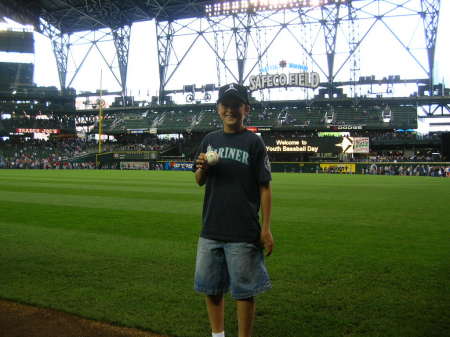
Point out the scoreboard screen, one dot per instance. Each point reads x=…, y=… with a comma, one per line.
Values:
x=333, y=145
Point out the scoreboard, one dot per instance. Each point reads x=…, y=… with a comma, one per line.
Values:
x=334, y=145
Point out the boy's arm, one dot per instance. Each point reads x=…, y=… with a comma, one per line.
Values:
x=265, y=192
x=200, y=176
x=201, y=170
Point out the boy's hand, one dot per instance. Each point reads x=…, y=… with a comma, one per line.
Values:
x=201, y=162
x=267, y=241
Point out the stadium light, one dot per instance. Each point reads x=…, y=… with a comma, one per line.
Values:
x=228, y=7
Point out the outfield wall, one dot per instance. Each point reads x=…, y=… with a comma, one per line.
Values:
x=392, y=168
x=148, y=160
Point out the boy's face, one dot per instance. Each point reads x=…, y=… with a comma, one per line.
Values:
x=232, y=112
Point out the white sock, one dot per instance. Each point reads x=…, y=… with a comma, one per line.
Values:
x=218, y=334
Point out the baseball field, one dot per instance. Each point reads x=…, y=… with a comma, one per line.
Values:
x=354, y=255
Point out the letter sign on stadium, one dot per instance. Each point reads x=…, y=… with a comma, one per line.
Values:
x=28, y=130
x=267, y=81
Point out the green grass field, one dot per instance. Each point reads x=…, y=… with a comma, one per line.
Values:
x=354, y=256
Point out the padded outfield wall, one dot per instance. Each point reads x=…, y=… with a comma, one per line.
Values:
x=148, y=160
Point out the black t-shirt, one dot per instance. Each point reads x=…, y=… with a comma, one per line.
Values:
x=232, y=201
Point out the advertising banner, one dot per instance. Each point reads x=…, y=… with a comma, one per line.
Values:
x=27, y=130
x=361, y=145
x=252, y=128
x=338, y=168
x=136, y=131
x=354, y=144
x=134, y=165
x=178, y=166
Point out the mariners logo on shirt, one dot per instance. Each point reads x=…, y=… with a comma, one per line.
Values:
x=230, y=153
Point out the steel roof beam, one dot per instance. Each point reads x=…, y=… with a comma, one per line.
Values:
x=121, y=37
x=430, y=16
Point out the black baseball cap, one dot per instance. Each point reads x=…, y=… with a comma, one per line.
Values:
x=234, y=90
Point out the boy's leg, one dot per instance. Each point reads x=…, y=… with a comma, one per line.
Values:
x=248, y=277
x=246, y=316
x=215, y=307
x=211, y=277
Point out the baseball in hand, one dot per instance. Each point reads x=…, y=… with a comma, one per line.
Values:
x=212, y=157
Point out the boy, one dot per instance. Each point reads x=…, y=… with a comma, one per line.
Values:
x=230, y=247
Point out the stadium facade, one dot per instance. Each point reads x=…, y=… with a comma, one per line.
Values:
x=330, y=116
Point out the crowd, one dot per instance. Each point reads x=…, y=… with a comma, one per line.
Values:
x=63, y=153
x=41, y=154
x=30, y=122
x=400, y=156
x=403, y=136
x=408, y=170
x=141, y=143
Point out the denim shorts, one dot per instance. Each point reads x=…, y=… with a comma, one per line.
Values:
x=239, y=266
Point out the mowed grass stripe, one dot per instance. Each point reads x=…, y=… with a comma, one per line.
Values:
x=138, y=224
x=338, y=199
x=285, y=179
x=148, y=248
x=104, y=202
x=106, y=182
x=149, y=189
x=102, y=177
x=380, y=211
x=167, y=193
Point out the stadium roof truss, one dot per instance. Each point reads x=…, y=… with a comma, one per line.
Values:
x=231, y=34
x=434, y=109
